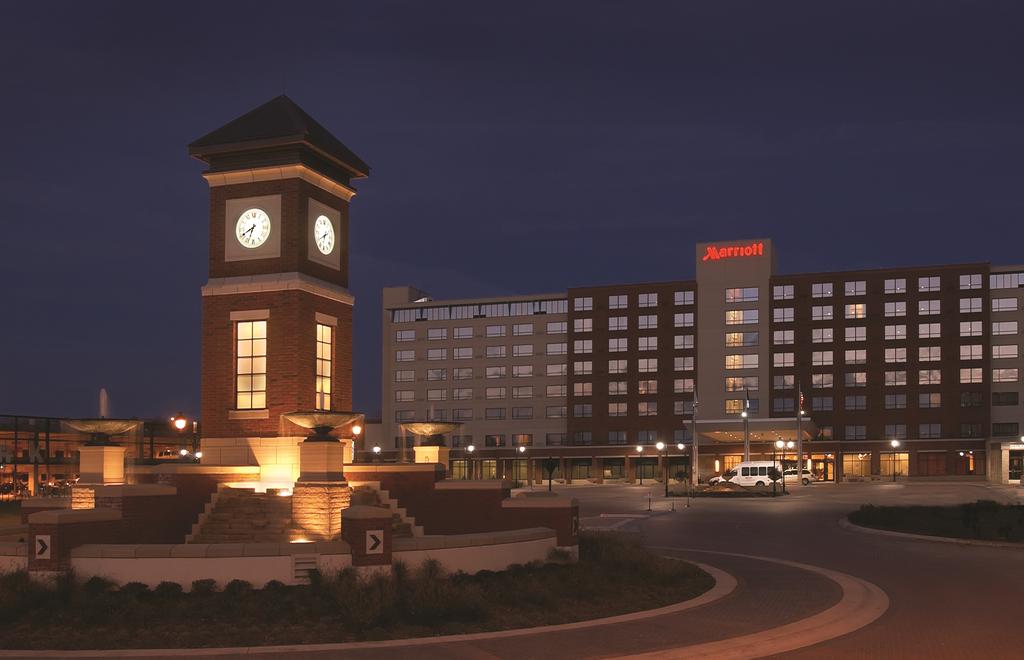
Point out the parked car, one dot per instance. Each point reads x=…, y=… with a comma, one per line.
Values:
x=808, y=476
x=753, y=473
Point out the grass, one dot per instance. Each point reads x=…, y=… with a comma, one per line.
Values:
x=614, y=575
x=983, y=520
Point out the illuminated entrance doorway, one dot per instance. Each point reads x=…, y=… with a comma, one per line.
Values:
x=823, y=467
x=1016, y=464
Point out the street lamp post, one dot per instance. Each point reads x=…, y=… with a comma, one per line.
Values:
x=639, y=467
x=469, y=458
x=695, y=454
x=664, y=457
x=746, y=435
x=376, y=453
x=800, y=438
x=522, y=452
x=779, y=444
x=682, y=448
x=895, y=445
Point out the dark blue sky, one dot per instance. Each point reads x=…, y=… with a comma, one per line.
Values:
x=516, y=147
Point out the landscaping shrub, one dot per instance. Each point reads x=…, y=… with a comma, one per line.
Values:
x=167, y=590
x=984, y=520
x=136, y=589
x=205, y=587
x=238, y=587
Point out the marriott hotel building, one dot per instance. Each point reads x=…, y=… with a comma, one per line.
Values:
x=596, y=376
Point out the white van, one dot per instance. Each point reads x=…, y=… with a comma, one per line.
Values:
x=754, y=473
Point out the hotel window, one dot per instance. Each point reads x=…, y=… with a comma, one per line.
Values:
x=405, y=335
x=405, y=396
x=929, y=353
x=495, y=372
x=1006, y=281
x=437, y=353
x=584, y=368
x=617, y=387
x=647, y=300
x=462, y=374
x=522, y=371
x=618, y=323
x=740, y=383
x=780, y=360
x=744, y=294
x=858, y=356
x=1004, y=351
x=617, y=409
x=647, y=322
x=463, y=333
x=972, y=375
x=782, y=292
x=618, y=344
x=734, y=406
x=1004, y=328
x=781, y=337
x=1004, y=304
x=582, y=304
x=405, y=376
x=779, y=404
x=898, y=431
x=683, y=297
x=682, y=342
x=647, y=365
x=462, y=393
x=821, y=335
x=895, y=378
x=895, y=332
x=683, y=363
x=556, y=369
x=647, y=387
x=583, y=346
x=741, y=361
x=556, y=328
x=967, y=305
x=436, y=374
x=582, y=389
x=896, y=354
x=495, y=331
x=554, y=412
x=821, y=358
x=821, y=290
x=555, y=349
x=927, y=431
x=821, y=381
x=928, y=284
x=1003, y=429
x=821, y=313
x=618, y=302
x=971, y=399
x=929, y=377
x=898, y=308
x=779, y=315
x=434, y=334
x=494, y=393
x=742, y=316
x=786, y=382
x=857, y=288
x=405, y=356
x=933, y=330
x=1005, y=375
x=522, y=350
x=970, y=328
x=929, y=400
x=897, y=285
x=555, y=391
x=682, y=407
x=495, y=351
x=524, y=392
x=522, y=329
x=646, y=437
x=895, y=401
x=971, y=352
x=857, y=333
x=583, y=325
x=583, y=410
x=970, y=281
x=854, y=432
x=734, y=339
x=684, y=385
x=647, y=344
x=855, y=379
x=437, y=395
x=685, y=320
x=856, y=311
x=856, y=402
x=821, y=403
x=1005, y=398
x=494, y=414
x=461, y=415
x=405, y=416
x=616, y=438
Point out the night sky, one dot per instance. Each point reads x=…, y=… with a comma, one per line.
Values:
x=515, y=147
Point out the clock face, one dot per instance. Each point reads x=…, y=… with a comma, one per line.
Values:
x=252, y=228
x=323, y=234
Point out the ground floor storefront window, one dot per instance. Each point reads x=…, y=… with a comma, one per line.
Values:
x=823, y=467
x=899, y=459
x=518, y=470
x=967, y=461
x=1016, y=463
x=488, y=469
x=460, y=468
x=931, y=463
x=646, y=468
x=581, y=468
x=614, y=468
x=857, y=465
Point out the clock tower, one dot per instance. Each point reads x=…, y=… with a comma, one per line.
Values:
x=277, y=313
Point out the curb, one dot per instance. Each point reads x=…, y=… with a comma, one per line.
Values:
x=724, y=585
x=845, y=523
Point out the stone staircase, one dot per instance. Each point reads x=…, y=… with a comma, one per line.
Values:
x=241, y=515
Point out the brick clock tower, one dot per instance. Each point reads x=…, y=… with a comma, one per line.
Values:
x=277, y=313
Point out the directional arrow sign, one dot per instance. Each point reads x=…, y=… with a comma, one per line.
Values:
x=375, y=541
x=42, y=546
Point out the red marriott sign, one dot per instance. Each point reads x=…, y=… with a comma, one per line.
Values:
x=716, y=252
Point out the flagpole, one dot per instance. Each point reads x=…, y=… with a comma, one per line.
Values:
x=799, y=435
x=746, y=425
x=695, y=454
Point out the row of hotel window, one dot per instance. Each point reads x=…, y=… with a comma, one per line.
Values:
x=892, y=355
x=898, y=401
x=643, y=437
x=860, y=333
x=898, y=285
x=615, y=388
x=485, y=310
x=518, y=330
x=860, y=378
x=251, y=365
x=579, y=346
x=644, y=365
x=859, y=310
x=621, y=301
x=579, y=410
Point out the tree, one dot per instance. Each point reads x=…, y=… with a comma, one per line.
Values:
x=550, y=465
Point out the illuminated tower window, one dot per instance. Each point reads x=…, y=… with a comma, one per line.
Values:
x=323, y=366
x=251, y=365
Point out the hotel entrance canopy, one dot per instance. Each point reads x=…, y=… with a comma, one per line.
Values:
x=762, y=429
